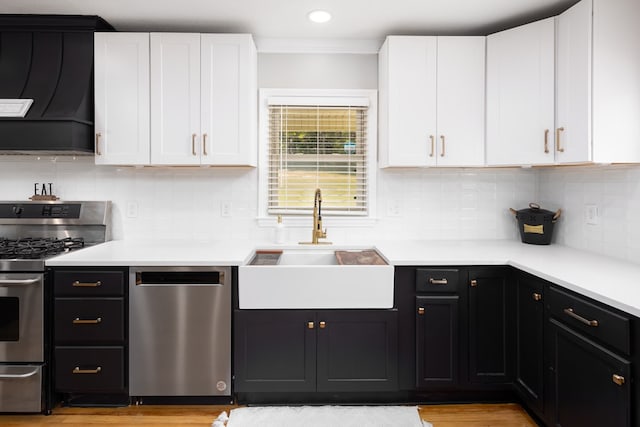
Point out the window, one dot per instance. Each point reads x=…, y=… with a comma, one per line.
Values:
x=325, y=141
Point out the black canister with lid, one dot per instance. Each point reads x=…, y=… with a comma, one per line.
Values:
x=535, y=224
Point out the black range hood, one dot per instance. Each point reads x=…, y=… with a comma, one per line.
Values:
x=47, y=59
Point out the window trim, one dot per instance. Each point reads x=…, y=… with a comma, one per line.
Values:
x=264, y=219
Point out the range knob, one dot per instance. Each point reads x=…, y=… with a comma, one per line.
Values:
x=17, y=210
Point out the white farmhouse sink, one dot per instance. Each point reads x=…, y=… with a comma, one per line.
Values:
x=308, y=257
x=311, y=278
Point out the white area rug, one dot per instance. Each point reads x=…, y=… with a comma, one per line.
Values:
x=322, y=416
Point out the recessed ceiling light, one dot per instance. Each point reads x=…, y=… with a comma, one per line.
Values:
x=319, y=16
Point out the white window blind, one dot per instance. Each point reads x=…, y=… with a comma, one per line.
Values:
x=317, y=146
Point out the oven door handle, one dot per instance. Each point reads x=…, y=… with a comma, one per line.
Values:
x=19, y=282
x=13, y=376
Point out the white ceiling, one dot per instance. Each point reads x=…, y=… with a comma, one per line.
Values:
x=352, y=19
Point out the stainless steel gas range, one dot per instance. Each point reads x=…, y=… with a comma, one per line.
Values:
x=30, y=233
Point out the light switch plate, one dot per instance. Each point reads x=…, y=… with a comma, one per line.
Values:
x=132, y=209
x=592, y=214
x=225, y=208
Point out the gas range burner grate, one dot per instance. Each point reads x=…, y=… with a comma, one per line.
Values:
x=37, y=248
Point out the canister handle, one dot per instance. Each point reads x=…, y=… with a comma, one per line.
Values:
x=534, y=206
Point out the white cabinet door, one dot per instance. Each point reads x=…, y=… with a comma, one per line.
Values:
x=122, y=98
x=461, y=101
x=616, y=81
x=175, y=99
x=521, y=95
x=407, y=87
x=573, y=84
x=229, y=99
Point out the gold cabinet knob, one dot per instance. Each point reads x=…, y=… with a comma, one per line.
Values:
x=310, y=325
x=536, y=296
x=323, y=325
x=474, y=283
x=421, y=310
x=618, y=379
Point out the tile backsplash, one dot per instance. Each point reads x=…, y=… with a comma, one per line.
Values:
x=613, y=191
x=193, y=202
x=212, y=203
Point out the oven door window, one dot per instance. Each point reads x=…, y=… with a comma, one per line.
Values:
x=9, y=318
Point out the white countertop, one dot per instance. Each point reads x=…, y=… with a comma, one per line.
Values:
x=605, y=279
x=129, y=253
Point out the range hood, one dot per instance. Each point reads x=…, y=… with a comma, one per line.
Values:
x=46, y=83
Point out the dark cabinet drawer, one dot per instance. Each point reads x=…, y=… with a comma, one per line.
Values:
x=437, y=280
x=89, y=321
x=88, y=283
x=590, y=318
x=89, y=369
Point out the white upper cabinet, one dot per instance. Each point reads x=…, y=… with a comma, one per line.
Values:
x=461, y=101
x=121, y=98
x=596, y=92
x=573, y=84
x=431, y=101
x=520, y=95
x=203, y=99
x=229, y=87
x=175, y=99
x=407, y=89
x=616, y=81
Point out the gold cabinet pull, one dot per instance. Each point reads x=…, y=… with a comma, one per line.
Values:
x=433, y=145
x=310, y=325
x=442, y=152
x=558, y=144
x=79, y=321
x=78, y=284
x=323, y=325
x=98, y=136
x=438, y=281
x=546, y=140
x=474, y=283
x=193, y=144
x=569, y=312
x=204, y=144
x=77, y=370
x=420, y=310
x=618, y=379
x=536, y=296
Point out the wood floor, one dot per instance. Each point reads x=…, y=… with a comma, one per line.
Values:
x=476, y=415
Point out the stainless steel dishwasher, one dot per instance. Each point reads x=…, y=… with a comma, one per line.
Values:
x=179, y=331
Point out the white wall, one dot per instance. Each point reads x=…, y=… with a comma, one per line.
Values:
x=317, y=71
x=615, y=190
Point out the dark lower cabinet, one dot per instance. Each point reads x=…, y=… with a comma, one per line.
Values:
x=491, y=327
x=275, y=350
x=357, y=350
x=89, y=336
x=592, y=386
x=307, y=351
x=529, y=366
x=437, y=338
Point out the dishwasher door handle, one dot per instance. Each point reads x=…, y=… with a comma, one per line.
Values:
x=172, y=285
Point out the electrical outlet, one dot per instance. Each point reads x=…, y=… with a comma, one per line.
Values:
x=591, y=214
x=225, y=208
x=132, y=209
x=393, y=208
